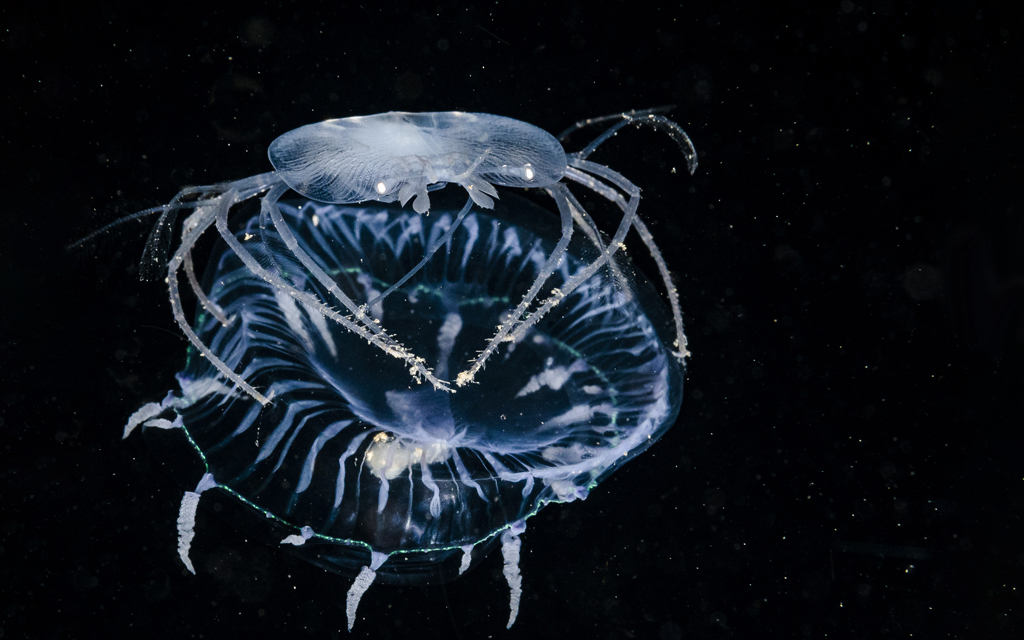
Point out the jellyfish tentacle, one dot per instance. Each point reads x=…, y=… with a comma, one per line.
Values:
x=507, y=325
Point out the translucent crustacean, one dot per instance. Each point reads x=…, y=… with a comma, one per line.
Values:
x=398, y=156
x=371, y=475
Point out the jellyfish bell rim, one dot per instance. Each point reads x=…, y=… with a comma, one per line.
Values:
x=315, y=160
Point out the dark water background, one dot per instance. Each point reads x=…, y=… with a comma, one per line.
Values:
x=849, y=460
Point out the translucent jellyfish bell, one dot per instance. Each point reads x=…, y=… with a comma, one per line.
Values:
x=369, y=475
x=396, y=156
x=317, y=321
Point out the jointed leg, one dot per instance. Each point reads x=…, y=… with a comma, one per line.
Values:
x=629, y=214
x=508, y=326
x=648, y=239
x=587, y=223
x=369, y=331
x=427, y=256
x=211, y=306
x=198, y=223
x=649, y=118
x=632, y=113
x=154, y=256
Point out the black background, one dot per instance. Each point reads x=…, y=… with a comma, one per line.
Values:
x=850, y=255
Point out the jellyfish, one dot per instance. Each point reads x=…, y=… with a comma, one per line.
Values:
x=320, y=318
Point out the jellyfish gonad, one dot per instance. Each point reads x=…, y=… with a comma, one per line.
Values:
x=335, y=381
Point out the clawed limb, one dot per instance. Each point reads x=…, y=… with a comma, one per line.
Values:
x=366, y=328
x=214, y=211
x=211, y=205
x=597, y=178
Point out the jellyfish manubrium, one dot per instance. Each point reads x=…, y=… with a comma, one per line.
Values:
x=335, y=383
